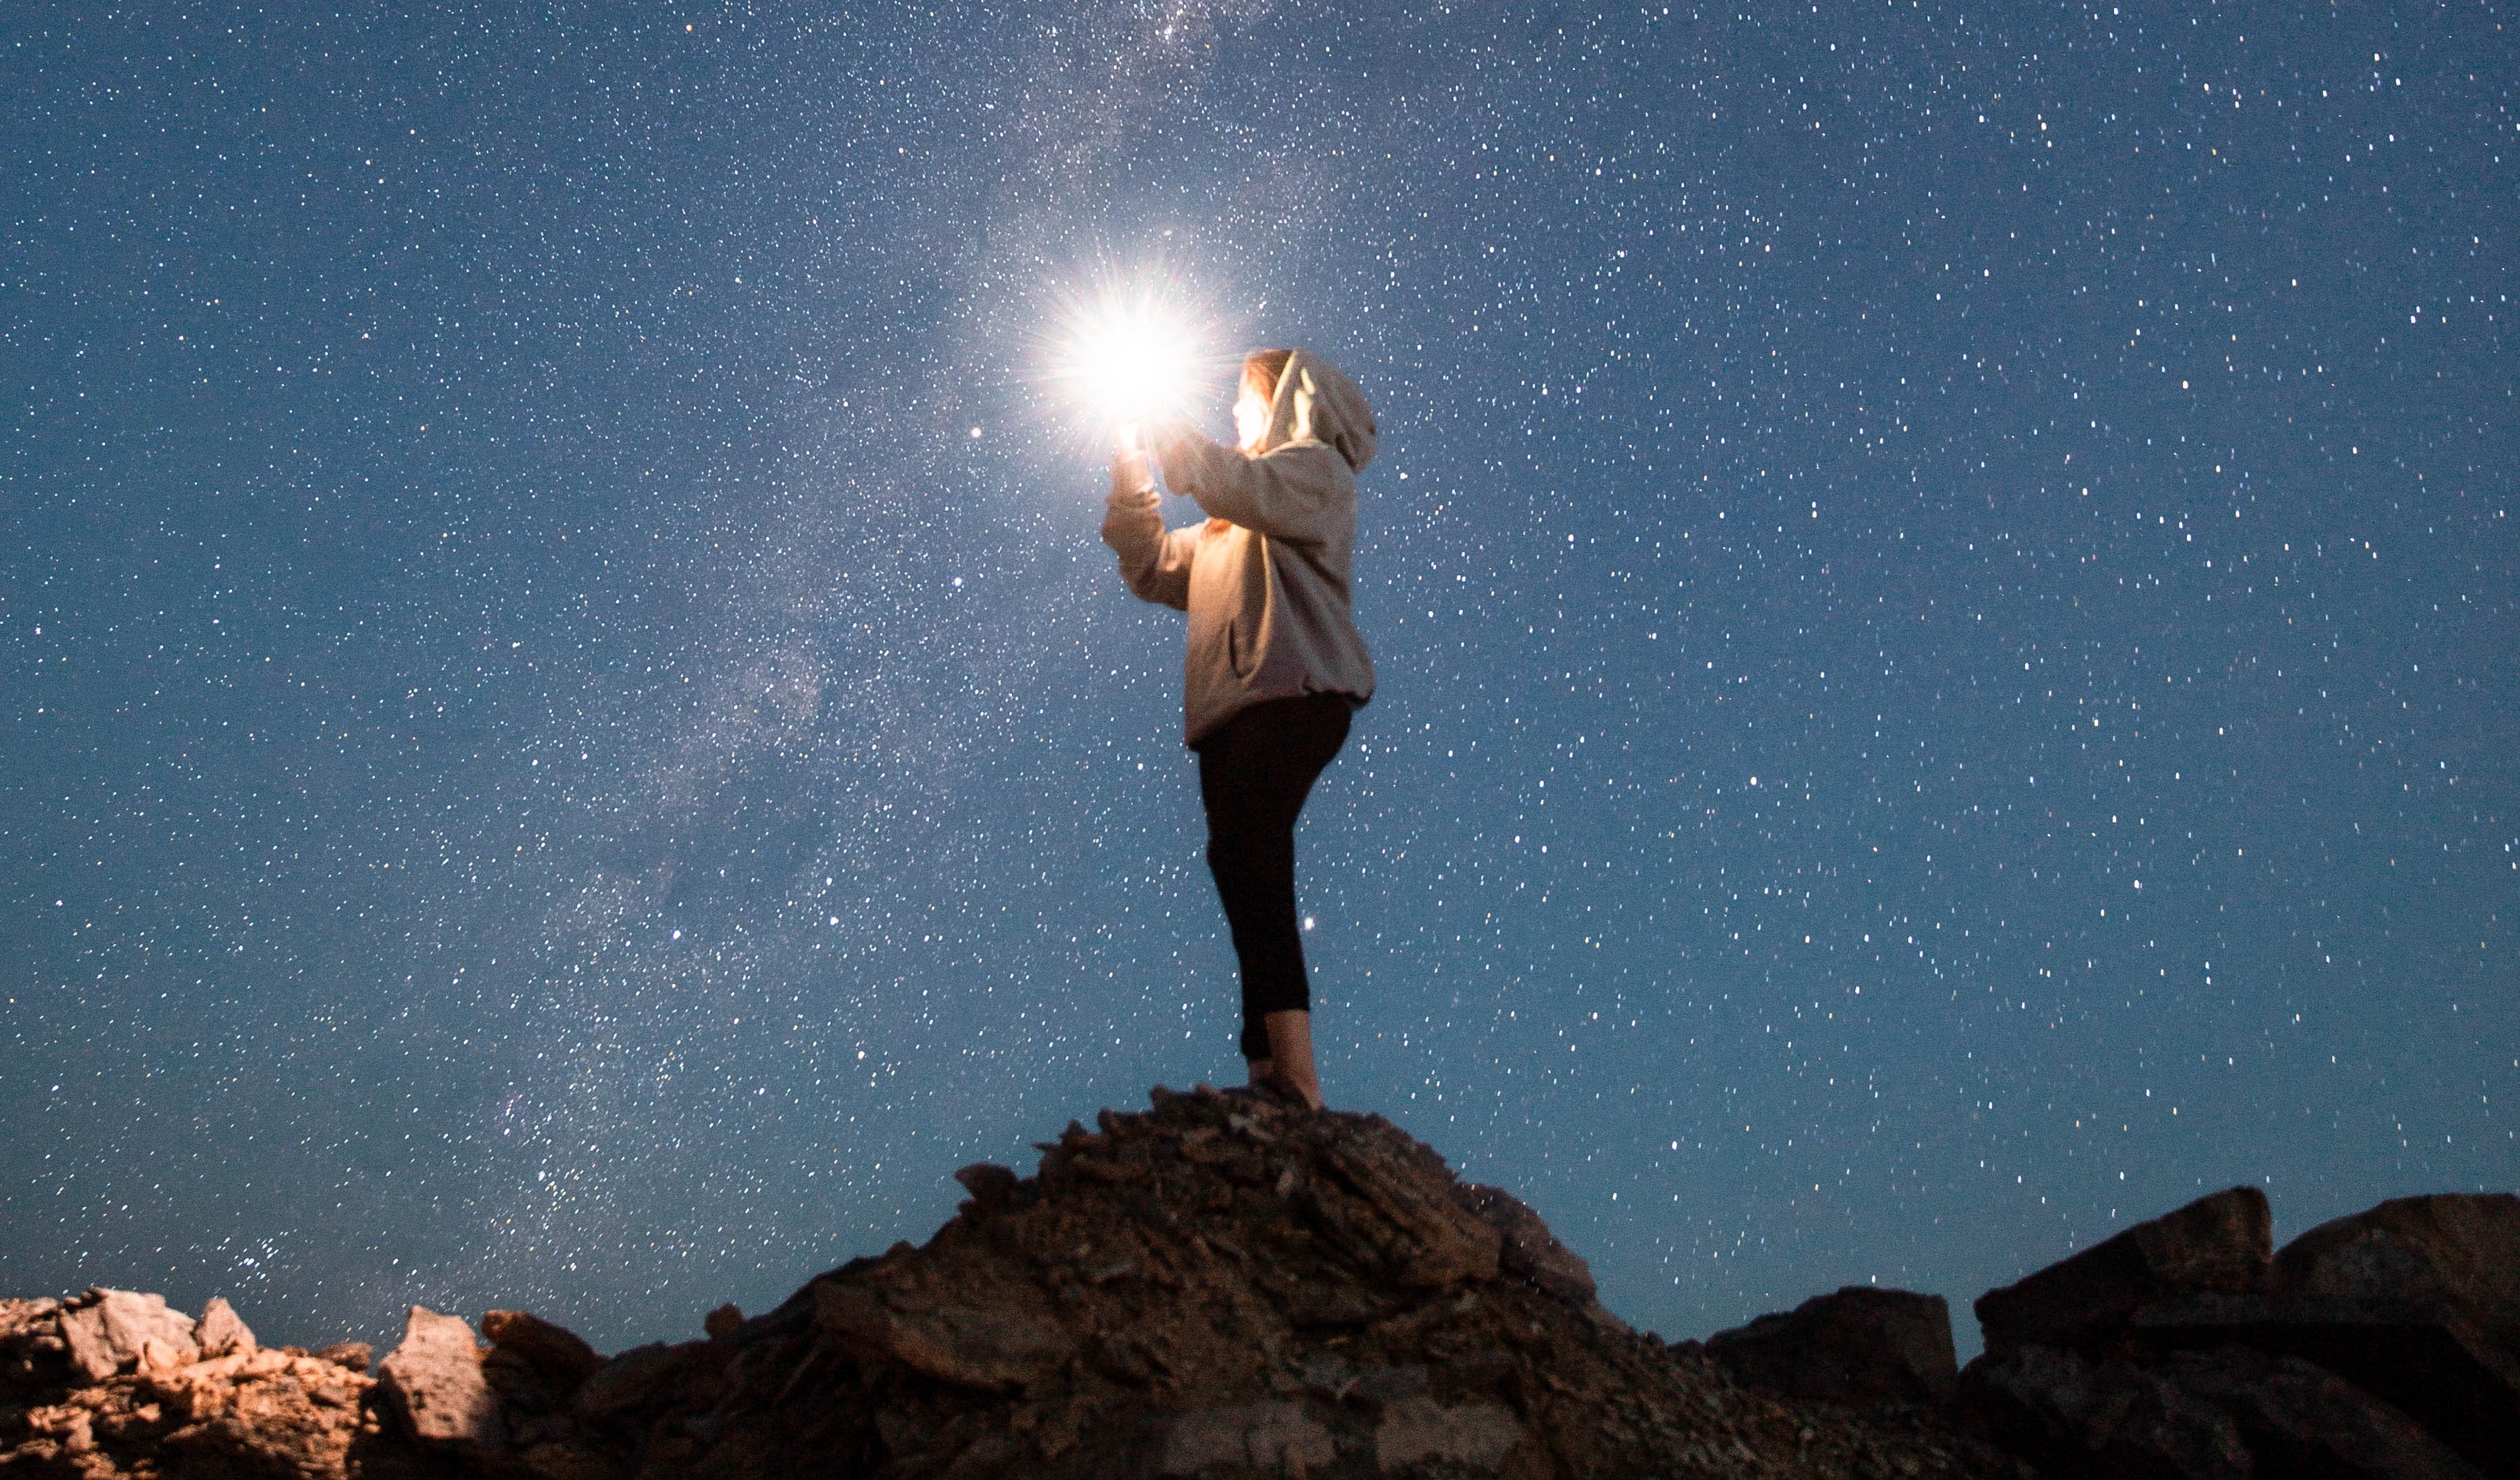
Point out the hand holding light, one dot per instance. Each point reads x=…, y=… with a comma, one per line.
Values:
x=1131, y=353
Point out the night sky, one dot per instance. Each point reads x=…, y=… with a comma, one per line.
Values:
x=1943, y=582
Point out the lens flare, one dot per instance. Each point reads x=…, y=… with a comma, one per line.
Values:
x=1133, y=349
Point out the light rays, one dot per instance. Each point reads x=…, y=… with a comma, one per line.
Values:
x=1132, y=347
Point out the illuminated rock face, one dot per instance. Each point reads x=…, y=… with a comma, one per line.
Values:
x=1225, y=1287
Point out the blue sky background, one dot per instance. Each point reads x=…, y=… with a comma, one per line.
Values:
x=1943, y=581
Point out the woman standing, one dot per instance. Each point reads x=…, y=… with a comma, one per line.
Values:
x=1276, y=665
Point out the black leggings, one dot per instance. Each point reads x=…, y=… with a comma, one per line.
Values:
x=1254, y=775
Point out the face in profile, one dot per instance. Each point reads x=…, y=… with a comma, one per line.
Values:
x=1250, y=416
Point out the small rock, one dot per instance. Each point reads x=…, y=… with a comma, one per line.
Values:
x=2221, y=1242
x=1859, y=1346
x=433, y=1382
x=220, y=1330
x=723, y=1323
x=992, y=1186
x=108, y=1329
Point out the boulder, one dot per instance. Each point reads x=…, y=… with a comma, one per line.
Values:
x=558, y=1357
x=2216, y=1243
x=221, y=1331
x=1859, y=1346
x=433, y=1382
x=2462, y=1248
x=2423, y=1357
x=108, y=1331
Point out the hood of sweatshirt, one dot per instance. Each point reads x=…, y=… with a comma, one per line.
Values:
x=1316, y=402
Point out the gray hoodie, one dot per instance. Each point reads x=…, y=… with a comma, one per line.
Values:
x=1267, y=591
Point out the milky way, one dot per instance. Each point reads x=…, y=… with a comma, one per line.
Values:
x=1943, y=583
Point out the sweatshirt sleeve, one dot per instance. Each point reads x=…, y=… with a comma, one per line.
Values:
x=1293, y=493
x=1154, y=562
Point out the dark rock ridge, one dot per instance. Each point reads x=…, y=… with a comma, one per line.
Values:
x=1225, y=1287
x=2380, y=1344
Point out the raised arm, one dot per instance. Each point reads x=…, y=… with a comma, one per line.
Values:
x=1302, y=492
x=1154, y=562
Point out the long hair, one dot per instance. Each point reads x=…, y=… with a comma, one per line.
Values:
x=1261, y=369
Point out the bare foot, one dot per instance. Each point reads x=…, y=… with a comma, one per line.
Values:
x=1290, y=1064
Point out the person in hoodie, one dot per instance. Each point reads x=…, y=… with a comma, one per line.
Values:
x=1276, y=665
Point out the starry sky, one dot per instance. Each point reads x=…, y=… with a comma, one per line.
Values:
x=1943, y=582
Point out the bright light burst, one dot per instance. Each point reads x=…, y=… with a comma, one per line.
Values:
x=1133, y=348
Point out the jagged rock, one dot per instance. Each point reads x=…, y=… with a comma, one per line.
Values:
x=969, y=1347
x=220, y=1330
x=357, y=1356
x=561, y=1358
x=108, y=1331
x=1526, y=1247
x=434, y=1383
x=250, y=1412
x=1858, y=1346
x=2222, y=1242
x=990, y=1186
x=33, y=1357
x=2421, y=1356
x=2462, y=1248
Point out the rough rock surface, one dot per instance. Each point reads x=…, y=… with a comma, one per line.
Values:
x=2376, y=1345
x=1227, y=1286
x=2462, y=1249
x=1221, y=1286
x=1860, y=1347
x=241, y=1411
x=109, y=1332
x=2216, y=1243
x=435, y=1384
x=2231, y=1412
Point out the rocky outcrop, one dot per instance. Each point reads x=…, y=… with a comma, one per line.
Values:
x=2377, y=1345
x=2216, y=1243
x=113, y=1383
x=1860, y=1347
x=1228, y=1286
